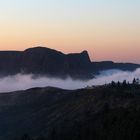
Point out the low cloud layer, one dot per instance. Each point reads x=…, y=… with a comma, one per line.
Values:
x=22, y=82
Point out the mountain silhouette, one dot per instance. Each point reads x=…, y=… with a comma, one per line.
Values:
x=46, y=61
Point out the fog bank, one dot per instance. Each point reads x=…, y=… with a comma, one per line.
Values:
x=22, y=82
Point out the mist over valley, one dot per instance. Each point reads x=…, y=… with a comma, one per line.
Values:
x=24, y=81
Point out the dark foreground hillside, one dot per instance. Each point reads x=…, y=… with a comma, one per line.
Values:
x=102, y=113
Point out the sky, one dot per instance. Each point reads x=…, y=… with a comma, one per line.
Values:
x=107, y=29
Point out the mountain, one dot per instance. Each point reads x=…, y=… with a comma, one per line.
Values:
x=100, y=113
x=106, y=65
x=46, y=61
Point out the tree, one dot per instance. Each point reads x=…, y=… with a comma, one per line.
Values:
x=118, y=84
x=136, y=81
x=124, y=84
x=113, y=84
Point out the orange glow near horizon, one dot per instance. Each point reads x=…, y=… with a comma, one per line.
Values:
x=107, y=30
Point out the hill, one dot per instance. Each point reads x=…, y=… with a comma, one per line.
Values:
x=99, y=113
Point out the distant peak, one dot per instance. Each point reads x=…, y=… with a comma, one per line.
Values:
x=36, y=48
x=41, y=49
x=86, y=55
x=85, y=52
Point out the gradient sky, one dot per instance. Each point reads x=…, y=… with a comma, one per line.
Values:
x=108, y=29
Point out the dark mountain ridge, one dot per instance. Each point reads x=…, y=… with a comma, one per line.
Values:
x=106, y=65
x=46, y=61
